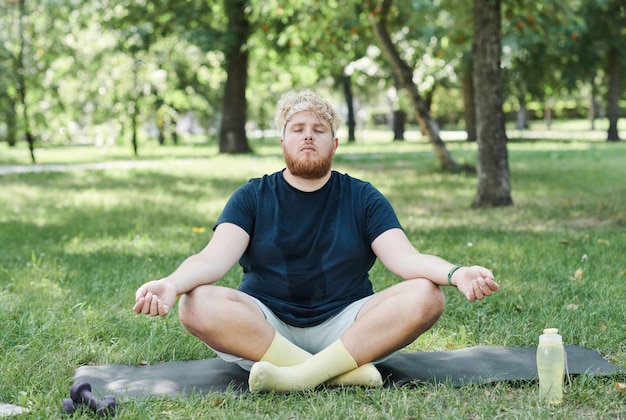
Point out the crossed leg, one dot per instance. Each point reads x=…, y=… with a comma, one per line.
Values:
x=230, y=322
x=227, y=320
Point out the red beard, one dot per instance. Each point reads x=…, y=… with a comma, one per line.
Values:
x=308, y=166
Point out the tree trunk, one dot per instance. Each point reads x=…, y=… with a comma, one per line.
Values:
x=159, y=111
x=547, y=117
x=135, y=105
x=161, y=130
x=613, y=72
x=399, y=119
x=378, y=17
x=468, y=102
x=133, y=121
x=593, y=105
x=494, y=187
x=11, y=121
x=346, y=82
x=21, y=85
x=173, y=127
x=522, y=113
x=233, y=130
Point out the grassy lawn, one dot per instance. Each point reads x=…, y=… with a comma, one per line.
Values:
x=76, y=244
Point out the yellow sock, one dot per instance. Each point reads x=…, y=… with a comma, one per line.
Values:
x=330, y=362
x=283, y=352
x=364, y=375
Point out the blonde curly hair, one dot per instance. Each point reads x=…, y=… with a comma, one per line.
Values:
x=306, y=100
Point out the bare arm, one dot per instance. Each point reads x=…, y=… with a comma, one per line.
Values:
x=206, y=267
x=396, y=252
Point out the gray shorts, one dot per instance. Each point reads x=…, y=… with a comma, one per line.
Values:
x=312, y=339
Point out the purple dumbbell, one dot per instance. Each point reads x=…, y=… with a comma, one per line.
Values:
x=69, y=406
x=81, y=396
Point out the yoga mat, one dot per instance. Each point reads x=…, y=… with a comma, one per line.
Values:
x=473, y=365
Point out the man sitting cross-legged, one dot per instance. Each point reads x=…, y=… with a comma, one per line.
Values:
x=306, y=237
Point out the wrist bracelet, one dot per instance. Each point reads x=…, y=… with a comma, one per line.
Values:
x=451, y=272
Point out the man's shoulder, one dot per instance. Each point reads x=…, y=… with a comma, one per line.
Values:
x=347, y=179
x=265, y=179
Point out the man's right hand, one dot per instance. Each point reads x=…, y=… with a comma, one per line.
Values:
x=155, y=298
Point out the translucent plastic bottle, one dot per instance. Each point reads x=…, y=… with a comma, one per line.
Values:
x=551, y=365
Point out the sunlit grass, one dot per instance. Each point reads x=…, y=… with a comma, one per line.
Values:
x=76, y=245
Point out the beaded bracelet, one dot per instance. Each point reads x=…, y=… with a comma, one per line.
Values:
x=451, y=272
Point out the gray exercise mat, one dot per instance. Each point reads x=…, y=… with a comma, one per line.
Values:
x=478, y=365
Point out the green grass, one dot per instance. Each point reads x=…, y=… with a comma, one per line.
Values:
x=76, y=245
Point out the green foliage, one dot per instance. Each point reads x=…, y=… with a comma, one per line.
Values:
x=537, y=38
x=77, y=244
x=89, y=66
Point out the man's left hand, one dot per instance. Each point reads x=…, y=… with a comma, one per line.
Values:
x=475, y=282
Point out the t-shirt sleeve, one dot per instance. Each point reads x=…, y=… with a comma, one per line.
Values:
x=379, y=215
x=240, y=209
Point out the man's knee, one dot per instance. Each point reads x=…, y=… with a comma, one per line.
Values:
x=208, y=309
x=196, y=306
x=429, y=298
x=438, y=298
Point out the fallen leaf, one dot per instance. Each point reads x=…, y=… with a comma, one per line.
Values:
x=198, y=229
x=604, y=241
x=578, y=274
x=620, y=386
x=572, y=307
x=564, y=241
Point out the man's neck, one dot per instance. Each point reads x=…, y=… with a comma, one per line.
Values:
x=303, y=184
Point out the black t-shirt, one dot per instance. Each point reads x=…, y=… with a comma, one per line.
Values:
x=309, y=252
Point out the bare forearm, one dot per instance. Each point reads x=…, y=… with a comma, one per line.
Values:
x=475, y=282
x=428, y=266
x=206, y=267
x=213, y=262
x=195, y=271
x=400, y=256
x=413, y=265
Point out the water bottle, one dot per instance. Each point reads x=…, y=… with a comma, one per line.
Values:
x=551, y=365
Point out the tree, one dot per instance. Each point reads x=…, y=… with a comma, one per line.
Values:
x=494, y=186
x=605, y=35
x=378, y=16
x=212, y=26
x=20, y=78
x=539, y=64
x=318, y=36
x=233, y=131
x=8, y=93
x=613, y=72
x=136, y=42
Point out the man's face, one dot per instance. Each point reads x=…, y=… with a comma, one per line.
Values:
x=308, y=146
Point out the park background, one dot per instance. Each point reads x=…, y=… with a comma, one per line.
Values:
x=503, y=152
